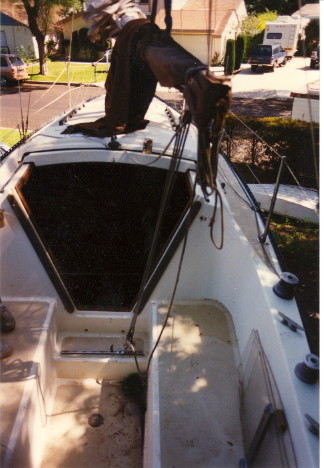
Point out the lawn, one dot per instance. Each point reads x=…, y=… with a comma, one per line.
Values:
x=9, y=136
x=60, y=72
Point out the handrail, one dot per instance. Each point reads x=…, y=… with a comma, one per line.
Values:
x=106, y=56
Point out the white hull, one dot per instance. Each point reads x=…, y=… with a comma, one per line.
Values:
x=201, y=383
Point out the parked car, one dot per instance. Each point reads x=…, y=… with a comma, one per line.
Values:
x=267, y=56
x=12, y=69
x=315, y=57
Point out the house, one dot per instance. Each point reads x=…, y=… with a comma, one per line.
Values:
x=310, y=11
x=194, y=24
x=14, y=34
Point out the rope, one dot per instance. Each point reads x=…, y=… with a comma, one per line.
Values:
x=175, y=285
x=181, y=136
x=271, y=149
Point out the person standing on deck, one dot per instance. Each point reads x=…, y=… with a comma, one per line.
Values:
x=8, y=323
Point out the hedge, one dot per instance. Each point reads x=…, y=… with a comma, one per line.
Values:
x=289, y=138
x=239, y=51
x=229, y=60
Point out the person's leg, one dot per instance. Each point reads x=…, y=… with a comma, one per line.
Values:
x=7, y=320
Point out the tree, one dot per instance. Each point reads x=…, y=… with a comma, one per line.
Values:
x=40, y=15
x=252, y=28
x=255, y=23
x=229, y=60
x=240, y=47
x=283, y=7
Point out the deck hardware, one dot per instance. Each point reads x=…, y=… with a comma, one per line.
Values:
x=308, y=370
x=285, y=288
x=113, y=144
x=314, y=426
x=171, y=118
x=96, y=420
x=263, y=236
x=147, y=146
x=294, y=326
x=116, y=352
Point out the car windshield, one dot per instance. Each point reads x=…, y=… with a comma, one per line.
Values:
x=16, y=60
x=262, y=50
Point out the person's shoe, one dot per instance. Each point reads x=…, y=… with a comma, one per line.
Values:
x=7, y=320
x=5, y=349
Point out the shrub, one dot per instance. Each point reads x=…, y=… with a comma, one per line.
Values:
x=229, y=59
x=290, y=138
x=216, y=61
x=239, y=51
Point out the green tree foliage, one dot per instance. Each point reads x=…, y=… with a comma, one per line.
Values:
x=255, y=23
x=229, y=60
x=252, y=27
x=283, y=7
x=40, y=15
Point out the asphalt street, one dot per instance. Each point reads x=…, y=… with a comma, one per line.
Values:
x=39, y=103
x=256, y=94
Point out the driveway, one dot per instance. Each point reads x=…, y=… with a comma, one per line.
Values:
x=278, y=85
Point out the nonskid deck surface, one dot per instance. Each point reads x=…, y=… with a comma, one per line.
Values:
x=73, y=443
x=20, y=369
x=199, y=389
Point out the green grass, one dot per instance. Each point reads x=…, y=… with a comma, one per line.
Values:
x=78, y=72
x=9, y=136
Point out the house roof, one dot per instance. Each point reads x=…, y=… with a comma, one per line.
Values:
x=310, y=10
x=6, y=20
x=201, y=15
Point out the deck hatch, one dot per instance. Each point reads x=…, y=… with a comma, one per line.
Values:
x=97, y=220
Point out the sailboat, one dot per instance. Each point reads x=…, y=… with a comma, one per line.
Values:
x=155, y=326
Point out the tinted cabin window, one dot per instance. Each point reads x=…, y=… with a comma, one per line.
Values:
x=272, y=35
x=97, y=222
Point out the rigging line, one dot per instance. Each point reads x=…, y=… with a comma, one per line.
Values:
x=209, y=34
x=176, y=281
x=69, y=60
x=49, y=89
x=54, y=100
x=22, y=132
x=213, y=220
x=297, y=181
x=285, y=162
x=256, y=214
x=258, y=136
x=165, y=198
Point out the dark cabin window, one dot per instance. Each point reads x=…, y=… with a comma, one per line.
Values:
x=97, y=220
x=272, y=35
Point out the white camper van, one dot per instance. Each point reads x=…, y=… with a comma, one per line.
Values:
x=285, y=31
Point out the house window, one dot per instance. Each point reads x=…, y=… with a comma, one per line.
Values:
x=4, y=49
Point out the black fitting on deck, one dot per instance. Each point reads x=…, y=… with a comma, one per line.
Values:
x=308, y=371
x=285, y=288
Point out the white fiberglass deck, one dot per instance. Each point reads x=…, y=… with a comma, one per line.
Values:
x=73, y=443
x=198, y=375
